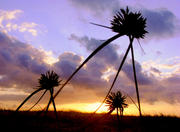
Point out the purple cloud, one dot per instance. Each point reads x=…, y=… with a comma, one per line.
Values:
x=22, y=64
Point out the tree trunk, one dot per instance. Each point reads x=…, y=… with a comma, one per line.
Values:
x=47, y=107
x=87, y=59
x=121, y=112
x=28, y=98
x=135, y=79
x=120, y=67
x=38, y=100
x=117, y=114
x=52, y=99
x=110, y=112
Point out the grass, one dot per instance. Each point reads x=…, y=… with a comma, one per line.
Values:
x=83, y=122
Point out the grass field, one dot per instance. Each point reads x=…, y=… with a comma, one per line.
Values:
x=11, y=121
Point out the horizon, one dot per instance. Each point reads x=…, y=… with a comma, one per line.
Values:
x=58, y=36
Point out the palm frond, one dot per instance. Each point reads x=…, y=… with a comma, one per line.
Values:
x=129, y=23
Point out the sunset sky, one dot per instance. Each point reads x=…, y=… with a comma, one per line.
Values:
x=41, y=35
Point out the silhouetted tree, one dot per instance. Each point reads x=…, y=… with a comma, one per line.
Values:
x=47, y=82
x=116, y=101
x=124, y=23
x=133, y=25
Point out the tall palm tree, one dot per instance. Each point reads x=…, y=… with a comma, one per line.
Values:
x=47, y=82
x=133, y=25
x=116, y=101
x=124, y=23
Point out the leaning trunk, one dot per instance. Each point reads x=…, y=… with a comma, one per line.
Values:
x=28, y=98
x=120, y=67
x=47, y=107
x=38, y=100
x=135, y=78
x=87, y=59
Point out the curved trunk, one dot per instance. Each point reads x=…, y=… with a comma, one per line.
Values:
x=28, y=98
x=135, y=79
x=38, y=100
x=87, y=59
x=120, y=67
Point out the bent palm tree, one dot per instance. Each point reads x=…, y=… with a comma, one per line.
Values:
x=46, y=82
x=124, y=23
x=116, y=101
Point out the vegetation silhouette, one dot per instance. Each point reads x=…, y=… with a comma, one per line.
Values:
x=124, y=23
x=116, y=101
x=47, y=82
x=133, y=25
x=72, y=121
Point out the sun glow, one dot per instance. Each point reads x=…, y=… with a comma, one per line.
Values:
x=83, y=107
x=91, y=107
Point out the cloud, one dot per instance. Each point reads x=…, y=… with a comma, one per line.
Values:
x=162, y=70
x=7, y=25
x=153, y=84
x=29, y=27
x=153, y=69
x=88, y=77
x=97, y=7
x=8, y=15
x=67, y=64
x=110, y=58
x=158, y=53
x=108, y=54
x=21, y=65
x=161, y=23
x=142, y=77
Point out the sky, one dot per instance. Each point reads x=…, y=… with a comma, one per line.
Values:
x=37, y=36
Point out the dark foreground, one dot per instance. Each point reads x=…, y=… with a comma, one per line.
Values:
x=11, y=121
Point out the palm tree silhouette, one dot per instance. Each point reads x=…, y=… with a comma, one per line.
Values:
x=124, y=23
x=116, y=101
x=133, y=25
x=47, y=82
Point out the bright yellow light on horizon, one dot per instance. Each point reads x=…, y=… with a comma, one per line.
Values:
x=157, y=108
x=84, y=107
x=91, y=107
x=147, y=109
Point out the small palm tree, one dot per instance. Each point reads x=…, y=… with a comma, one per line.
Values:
x=47, y=82
x=124, y=23
x=116, y=101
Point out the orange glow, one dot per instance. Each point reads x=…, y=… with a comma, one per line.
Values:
x=83, y=107
x=157, y=108
x=91, y=107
